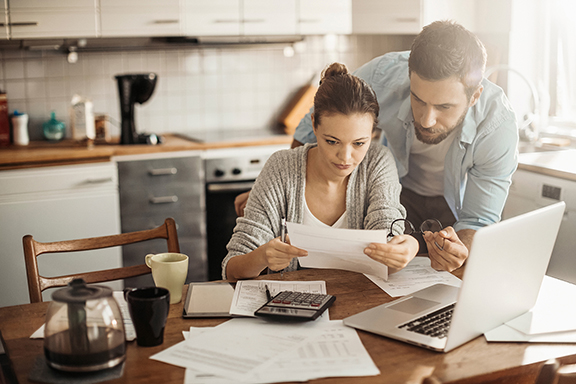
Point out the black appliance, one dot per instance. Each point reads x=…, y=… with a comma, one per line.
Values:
x=135, y=88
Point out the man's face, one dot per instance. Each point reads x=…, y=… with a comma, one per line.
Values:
x=438, y=107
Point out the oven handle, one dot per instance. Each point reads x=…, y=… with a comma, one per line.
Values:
x=230, y=187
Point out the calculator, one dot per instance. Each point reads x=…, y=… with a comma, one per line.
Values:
x=291, y=305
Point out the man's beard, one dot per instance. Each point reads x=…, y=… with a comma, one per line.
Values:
x=443, y=135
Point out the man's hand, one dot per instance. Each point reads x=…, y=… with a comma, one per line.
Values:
x=240, y=203
x=395, y=254
x=446, y=250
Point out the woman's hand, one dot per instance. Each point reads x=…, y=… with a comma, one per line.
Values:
x=395, y=254
x=278, y=255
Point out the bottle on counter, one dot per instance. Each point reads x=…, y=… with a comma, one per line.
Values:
x=20, y=128
x=53, y=129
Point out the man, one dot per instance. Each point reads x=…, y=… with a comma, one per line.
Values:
x=453, y=135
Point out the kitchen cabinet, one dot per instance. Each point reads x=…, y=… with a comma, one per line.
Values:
x=154, y=187
x=4, y=29
x=408, y=16
x=240, y=17
x=52, y=204
x=146, y=18
x=319, y=17
x=53, y=19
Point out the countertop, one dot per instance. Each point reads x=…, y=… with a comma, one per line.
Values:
x=44, y=153
x=561, y=163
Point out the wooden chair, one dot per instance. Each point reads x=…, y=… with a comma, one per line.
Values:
x=33, y=249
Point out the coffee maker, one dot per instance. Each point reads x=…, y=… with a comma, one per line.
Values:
x=135, y=88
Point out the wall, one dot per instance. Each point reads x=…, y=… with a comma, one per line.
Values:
x=198, y=88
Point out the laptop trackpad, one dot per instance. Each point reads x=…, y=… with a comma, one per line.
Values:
x=413, y=305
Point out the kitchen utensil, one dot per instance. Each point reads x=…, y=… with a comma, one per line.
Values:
x=149, y=309
x=84, y=329
x=169, y=271
x=134, y=88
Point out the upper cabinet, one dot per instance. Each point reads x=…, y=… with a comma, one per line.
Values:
x=239, y=17
x=408, y=16
x=53, y=19
x=140, y=18
x=319, y=17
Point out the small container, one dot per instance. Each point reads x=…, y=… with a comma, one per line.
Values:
x=20, y=128
x=53, y=129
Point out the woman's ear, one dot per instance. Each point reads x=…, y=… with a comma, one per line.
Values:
x=313, y=123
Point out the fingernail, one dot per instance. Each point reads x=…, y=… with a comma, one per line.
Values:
x=368, y=251
x=444, y=233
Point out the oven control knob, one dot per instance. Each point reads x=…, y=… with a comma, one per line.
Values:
x=218, y=172
x=236, y=171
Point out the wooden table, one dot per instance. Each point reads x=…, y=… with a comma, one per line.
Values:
x=474, y=362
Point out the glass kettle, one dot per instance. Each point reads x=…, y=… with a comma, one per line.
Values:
x=84, y=329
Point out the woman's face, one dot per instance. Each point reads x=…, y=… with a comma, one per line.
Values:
x=343, y=141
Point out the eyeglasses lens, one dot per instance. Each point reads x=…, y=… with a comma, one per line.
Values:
x=431, y=225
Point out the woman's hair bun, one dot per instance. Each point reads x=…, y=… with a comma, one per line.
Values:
x=334, y=69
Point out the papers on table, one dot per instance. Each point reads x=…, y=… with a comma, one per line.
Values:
x=552, y=320
x=257, y=351
x=418, y=274
x=250, y=295
x=338, y=248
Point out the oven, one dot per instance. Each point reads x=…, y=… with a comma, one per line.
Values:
x=228, y=173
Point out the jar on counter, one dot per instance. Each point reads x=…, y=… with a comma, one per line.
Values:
x=20, y=128
x=53, y=129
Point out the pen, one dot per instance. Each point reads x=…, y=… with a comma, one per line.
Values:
x=268, y=295
x=283, y=238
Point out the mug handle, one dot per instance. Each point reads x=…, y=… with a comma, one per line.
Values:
x=148, y=262
x=126, y=292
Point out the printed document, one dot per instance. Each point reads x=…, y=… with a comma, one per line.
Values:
x=338, y=248
x=417, y=275
x=255, y=351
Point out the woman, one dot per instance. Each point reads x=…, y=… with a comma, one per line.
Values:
x=342, y=181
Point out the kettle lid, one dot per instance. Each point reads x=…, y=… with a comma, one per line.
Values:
x=78, y=292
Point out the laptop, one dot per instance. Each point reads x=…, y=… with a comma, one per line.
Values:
x=503, y=274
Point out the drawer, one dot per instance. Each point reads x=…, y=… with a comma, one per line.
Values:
x=142, y=202
x=181, y=172
x=66, y=177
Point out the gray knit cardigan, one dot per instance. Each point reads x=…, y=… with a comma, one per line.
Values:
x=372, y=198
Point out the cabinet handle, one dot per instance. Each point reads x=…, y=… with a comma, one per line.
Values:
x=166, y=21
x=253, y=20
x=163, y=171
x=222, y=21
x=406, y=19
x=100, y=180
x=309, y=20
x=230, y=187
x=163, y=199
x=24, y=24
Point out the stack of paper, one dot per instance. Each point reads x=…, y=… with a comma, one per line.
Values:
x=552, y=320
x=256, y=351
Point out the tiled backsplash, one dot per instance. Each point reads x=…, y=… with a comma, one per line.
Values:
x=198, y=88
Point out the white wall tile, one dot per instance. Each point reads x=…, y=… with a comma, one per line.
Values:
x=15, y=90
x=13, y=69
x=34, y=68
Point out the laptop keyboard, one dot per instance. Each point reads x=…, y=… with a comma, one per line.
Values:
x=435, y=324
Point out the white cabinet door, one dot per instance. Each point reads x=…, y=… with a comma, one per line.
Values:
x=212, y=18
x=53, y=18
x=85, y=205
x=4, y=29
x=319, y=17
x=386, y=16
x=269, y=17
x=140, y=18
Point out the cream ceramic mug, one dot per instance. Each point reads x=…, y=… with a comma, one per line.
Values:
x=169, y=271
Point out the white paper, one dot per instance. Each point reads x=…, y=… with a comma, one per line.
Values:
x=554, y=311
x=417, y=275
x=129, y=331
x=236, y=348
x=338, y=248
x=335, y=351
x=250, y=295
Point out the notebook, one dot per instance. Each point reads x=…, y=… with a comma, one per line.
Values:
x=503, y=274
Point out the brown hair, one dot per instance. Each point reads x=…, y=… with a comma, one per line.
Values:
x=444, y=49
x=341, y=92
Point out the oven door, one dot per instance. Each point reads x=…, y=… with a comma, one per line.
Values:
x=221, y=220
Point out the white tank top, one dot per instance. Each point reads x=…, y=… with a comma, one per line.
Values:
x=310, y=219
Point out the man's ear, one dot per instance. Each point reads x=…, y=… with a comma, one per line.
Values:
x=476, y=95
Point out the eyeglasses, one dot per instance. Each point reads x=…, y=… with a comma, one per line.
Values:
x=432, y=225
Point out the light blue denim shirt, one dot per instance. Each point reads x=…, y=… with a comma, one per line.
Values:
x=480, y=162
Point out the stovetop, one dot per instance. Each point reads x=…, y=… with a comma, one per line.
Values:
x=218, y=135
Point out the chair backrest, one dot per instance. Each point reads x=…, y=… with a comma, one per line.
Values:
x=33, y=248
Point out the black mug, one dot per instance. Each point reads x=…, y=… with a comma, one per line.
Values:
x=149, y=309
